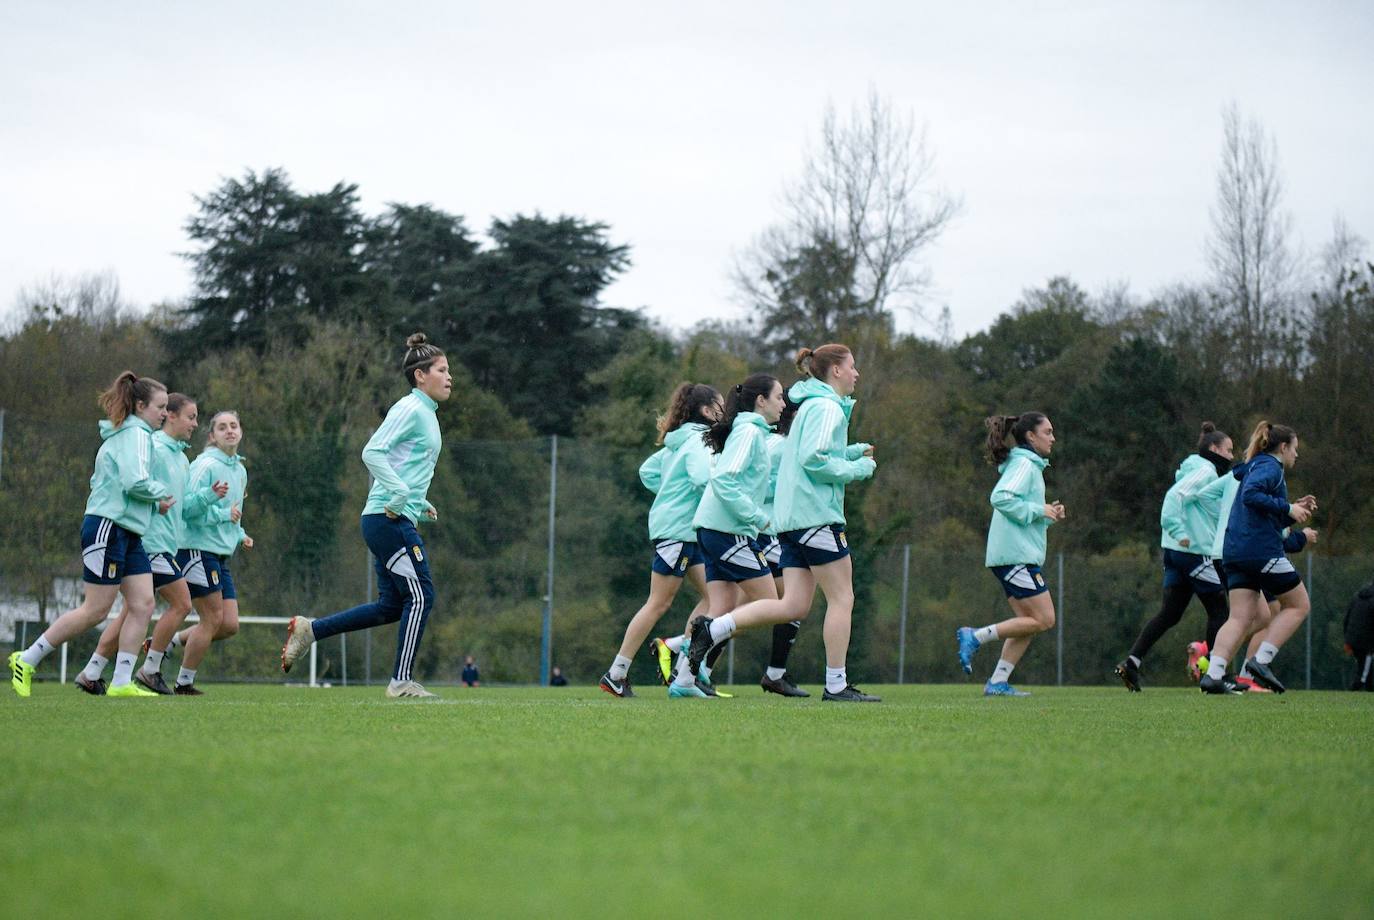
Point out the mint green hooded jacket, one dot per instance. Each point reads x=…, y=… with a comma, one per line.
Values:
x=401, y=456
x=167, y=532
x=678, y=474
x=1220, y=495
x=208, y=527
x=1017, y=533
x=1187, y=512
x=817, y=462
x=123, y=487
x=734, y=498
x=775, y=444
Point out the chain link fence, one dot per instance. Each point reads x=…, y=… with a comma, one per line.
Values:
x=522, y=599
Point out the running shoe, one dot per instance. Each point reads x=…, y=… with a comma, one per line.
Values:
x=1246, y=681
x=410, y=690
x=850, y=694
x=701, y=643
x=968, y=644
x=678, y=692
x=664, y=656
x=1129, y=672
x=299, y=637
x=1197, y=660
x=187, y=690
x=153, y=682
x=21, y=674
x=129, y=690
x=1002, y=688
x=93, y=687
x=620, y=688
x=1261, y=675
x=783, y=686
x=1222, y=686
x=710, y=689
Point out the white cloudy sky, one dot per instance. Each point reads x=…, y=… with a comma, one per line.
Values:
x=1083, y=137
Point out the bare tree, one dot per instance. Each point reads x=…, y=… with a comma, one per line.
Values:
x=1253, y=268
x=853, y=226
x=91, y=297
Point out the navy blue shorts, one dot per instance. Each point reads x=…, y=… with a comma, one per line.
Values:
x=1201, y=573
x=801, y=549
x=772, y=553
x=166, y=569
x=1272, y=576
x=731, y=557
x=1020, y=581
x=208, y=573
x=109, y=553
x=675, y=557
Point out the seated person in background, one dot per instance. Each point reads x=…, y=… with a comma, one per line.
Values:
x=556, y=679
x=470, y=675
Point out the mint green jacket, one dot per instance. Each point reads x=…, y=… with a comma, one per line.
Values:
x=208, y=527
x=401, y=456
x=1017, y=533
x=1220, y=494
x=167, y=532
x=775, y=444
x=681, y=472
x=817, y=460
x=734, y=498
x=1187, y=514
x=123, y=487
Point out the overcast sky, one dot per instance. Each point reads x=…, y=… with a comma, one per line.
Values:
x=1083, y=137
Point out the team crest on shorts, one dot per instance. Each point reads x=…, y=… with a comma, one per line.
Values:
x=214, y=577
x=112, y=571
x=1039, y=580
x=843, y=541
x=419, y=556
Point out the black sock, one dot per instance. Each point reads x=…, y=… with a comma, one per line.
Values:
x=784, y=637
x=1218, y=611
x=714, y=654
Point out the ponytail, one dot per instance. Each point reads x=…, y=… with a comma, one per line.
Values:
x=1002, y=428
x=121, y=398
x=685, y=405
x=818, y=362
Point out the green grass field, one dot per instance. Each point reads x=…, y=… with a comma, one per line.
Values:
x=277, y=801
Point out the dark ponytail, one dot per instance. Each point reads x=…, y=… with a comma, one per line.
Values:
x=741, y=398
x=120, y=400
x=685, y=405
x=1002, y=428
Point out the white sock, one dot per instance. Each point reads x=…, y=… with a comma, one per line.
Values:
x=620, y=667
x=675, y=643
x=35, y=653
x=1245, y=671
x=1266, y=653
x=1002, y=673
x=986, y=634
x=684, y=677
x=722, y=628
x=835, y=681
x=124, y=668
x=175, y=643
x=95, y=667
x=1216, y=667
x=153, y=663
x=706, y=671
x=776, y=673
x=1133, y=660
x=186, y=677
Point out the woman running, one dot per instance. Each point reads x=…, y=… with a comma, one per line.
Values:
x=1016, y=543
x=817, y=462
x=775, y=678
x=731, y=513
x=1188, y=522
x=401, y=456
x=163, y=543
x=124, y=497
x=677, y=475
x=214, y=532
x=1254, y=561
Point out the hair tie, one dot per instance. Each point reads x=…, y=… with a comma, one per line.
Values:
x=739, y=388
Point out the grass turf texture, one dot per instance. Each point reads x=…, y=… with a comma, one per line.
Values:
x=272, y=801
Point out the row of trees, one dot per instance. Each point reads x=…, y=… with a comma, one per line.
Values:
x=301, y=302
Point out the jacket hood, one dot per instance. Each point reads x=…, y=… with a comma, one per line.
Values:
x=1026, y=452
x=1242, y=468
x=1189, y=465
x=222, y=457
x=109, y=429
x=678, y=436
x=167, y=440
x=750, y=418
x=811, y=388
